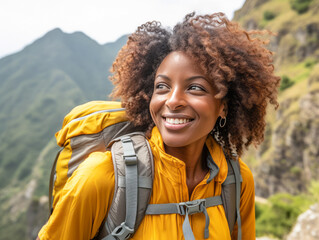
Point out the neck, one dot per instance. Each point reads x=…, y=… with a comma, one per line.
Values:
x=192, y=157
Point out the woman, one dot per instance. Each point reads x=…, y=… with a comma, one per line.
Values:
x=200, y=92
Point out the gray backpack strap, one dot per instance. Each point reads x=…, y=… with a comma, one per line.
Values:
x=235, y=165
x=125, y=230
x=231, y=190
x=186, y=208
x=133, y=170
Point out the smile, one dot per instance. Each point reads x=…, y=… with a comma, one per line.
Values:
x=177, y=121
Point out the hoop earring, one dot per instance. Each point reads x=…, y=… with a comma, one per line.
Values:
x=222, y=124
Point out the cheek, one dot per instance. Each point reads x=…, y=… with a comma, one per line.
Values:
x=209, y=111
x=153, y=108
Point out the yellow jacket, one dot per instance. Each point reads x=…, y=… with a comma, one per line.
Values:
x=88, y=194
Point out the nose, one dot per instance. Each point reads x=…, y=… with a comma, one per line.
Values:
x=176, y=99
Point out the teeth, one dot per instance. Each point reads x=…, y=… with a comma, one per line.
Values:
x=177, y=120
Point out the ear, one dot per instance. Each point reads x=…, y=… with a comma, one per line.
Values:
x=223, y=109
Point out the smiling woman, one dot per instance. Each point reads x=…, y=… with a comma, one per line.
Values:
x=200, y=93
x=234, y=61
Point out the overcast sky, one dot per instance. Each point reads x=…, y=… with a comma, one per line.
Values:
x=23, y=21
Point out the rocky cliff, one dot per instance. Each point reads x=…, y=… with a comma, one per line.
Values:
x=288, y=159
x=307, y=224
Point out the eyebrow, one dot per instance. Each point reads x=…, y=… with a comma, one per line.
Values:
x=188, y=79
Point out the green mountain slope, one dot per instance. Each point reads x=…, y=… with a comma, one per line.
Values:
x=38, y=86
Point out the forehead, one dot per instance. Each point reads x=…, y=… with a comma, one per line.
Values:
x=179, y=62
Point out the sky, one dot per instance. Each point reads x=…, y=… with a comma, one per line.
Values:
x=22, y=22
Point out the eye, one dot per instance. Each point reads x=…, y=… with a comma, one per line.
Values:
x=161, y=88
x=196, y=88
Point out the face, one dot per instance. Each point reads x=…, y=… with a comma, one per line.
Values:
x=183, y=106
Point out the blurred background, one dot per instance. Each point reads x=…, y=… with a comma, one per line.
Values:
x=55, y=55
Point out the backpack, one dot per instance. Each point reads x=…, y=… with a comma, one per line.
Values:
x=103, y=126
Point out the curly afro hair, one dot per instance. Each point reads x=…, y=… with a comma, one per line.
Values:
x=236, y=61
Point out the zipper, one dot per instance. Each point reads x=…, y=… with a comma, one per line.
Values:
x=97, y=112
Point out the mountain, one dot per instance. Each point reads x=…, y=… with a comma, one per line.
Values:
x=38, y=86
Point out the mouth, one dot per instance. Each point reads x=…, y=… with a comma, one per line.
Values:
x=177, y=121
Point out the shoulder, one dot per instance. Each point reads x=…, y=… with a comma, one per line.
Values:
x=245, y=172
x=248, y=186
x=247, y=203
x=85, y=200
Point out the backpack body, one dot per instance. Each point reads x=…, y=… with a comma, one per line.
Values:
x=102, y=126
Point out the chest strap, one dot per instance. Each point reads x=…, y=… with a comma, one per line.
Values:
x=186, y=208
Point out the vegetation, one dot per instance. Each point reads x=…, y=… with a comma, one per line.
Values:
x=277, y=217
x=285, y=83
x=309, y=63
x=301, y=6
x=314, y=191
x=16, y=230
x=268, y=15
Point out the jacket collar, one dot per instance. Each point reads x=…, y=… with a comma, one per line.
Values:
x=216, y=160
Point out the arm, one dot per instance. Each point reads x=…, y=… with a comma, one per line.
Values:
x=85, y=200
x=247, y=205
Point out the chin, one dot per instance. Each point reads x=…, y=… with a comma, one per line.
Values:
x=175, y=141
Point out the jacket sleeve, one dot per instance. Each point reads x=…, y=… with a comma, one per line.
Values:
x=85, y=201
x=247, y=205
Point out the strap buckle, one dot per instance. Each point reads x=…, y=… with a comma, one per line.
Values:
x=122, y=232
x=129, y=156
x=130, y=160
x=192, y=207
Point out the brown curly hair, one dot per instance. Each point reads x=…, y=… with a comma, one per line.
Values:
x=239, y=66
